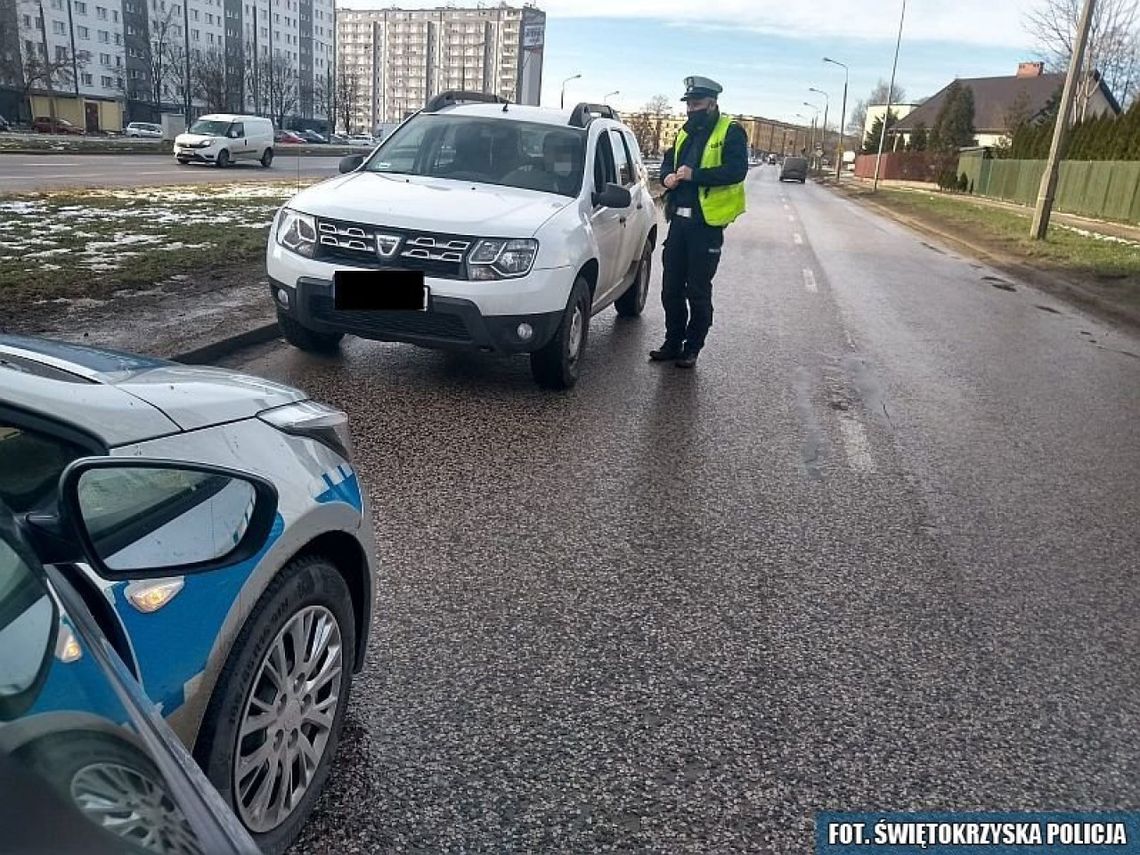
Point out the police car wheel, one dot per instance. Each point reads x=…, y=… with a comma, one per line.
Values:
x=274, y=721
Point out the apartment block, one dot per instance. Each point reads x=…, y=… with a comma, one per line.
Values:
x=394, y=60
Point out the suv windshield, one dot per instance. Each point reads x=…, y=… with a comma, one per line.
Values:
x=213, y=127
x=527, y=155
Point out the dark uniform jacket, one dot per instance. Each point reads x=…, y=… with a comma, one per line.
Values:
x=733, y=168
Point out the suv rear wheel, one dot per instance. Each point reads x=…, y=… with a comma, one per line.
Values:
x=556, y=366
x=632, y=302
x=306, y=339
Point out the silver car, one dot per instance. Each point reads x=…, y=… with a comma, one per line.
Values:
x=250, y=657
x=144, y=130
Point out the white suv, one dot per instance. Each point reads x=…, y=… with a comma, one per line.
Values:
x=486, y=225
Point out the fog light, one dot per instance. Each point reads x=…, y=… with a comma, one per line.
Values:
x=525, y=332
x=283, y=297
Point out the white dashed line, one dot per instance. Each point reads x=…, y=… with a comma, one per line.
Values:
x=791, y=219
x=850, y=340
x=809, y=281
x=855, y=444
x=798, y=238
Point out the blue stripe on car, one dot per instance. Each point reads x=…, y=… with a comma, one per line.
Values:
x=173, y=644
x=347, y=490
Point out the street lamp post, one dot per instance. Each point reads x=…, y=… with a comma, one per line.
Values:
x=842, y=118
x=826, y=107
x=814, y=125
x=562, y=103
x=609, y=94
x=890, y=92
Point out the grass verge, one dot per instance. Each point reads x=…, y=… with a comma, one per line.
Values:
x=67, y=246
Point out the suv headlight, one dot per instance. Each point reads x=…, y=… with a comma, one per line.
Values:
x=502, y=259
x=297, y=232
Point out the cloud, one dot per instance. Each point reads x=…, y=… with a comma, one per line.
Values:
x=969, y=22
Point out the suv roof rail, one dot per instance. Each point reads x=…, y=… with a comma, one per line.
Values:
x=585, y=113
x=455, y=96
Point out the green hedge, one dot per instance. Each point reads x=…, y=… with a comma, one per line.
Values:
x=1107, y=138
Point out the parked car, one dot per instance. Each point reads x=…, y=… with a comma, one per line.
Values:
x=144, y=130
x=224, y=138
x=771, y=160
x=549, y=220
x=85, y=756
x=794, y=169
x=46, y=125
x=312, y=137
x=259, y=642
x=288, y=137
x=338, y=139
x=361, y=140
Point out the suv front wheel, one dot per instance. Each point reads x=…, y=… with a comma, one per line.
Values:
x=306, y=339
x=557, y=364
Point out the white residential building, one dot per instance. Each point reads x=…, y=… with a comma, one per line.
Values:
x=396, y=59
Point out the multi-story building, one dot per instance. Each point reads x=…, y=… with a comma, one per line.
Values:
x=128, y=58
x=393, y=60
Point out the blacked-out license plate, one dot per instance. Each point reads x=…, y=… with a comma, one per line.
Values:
x=380, y=290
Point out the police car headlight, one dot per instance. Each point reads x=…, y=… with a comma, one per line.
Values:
x=502, y=259
x=318, y=422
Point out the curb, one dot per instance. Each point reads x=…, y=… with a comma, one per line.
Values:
x=224, y=347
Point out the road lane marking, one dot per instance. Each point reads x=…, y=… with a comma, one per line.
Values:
x=850, y=340
x=791, y=218
x=855, y=444
x=809, y=281
x=798, y=238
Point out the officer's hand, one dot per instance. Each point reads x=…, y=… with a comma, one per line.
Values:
x=670, y=181
x=684, y=173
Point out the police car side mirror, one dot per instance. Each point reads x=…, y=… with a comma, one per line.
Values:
x=614, y=196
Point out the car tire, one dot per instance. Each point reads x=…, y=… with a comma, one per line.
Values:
x=223, y=159
x=558, y=363
x=308, y=340
x=307, y=586
x=632, y=302
x=267, y=157
x=182, y=161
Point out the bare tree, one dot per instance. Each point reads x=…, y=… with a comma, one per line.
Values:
x=209, y=80
x=37, y=71
x=857, y=121
x=348, y=96
x=642, y=126
x=162, y=53
x=1113, y=48
x=324, y=99
x=659, y=107
x=282, y=87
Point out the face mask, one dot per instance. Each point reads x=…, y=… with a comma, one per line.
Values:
x=562, y=168
x=700, y=116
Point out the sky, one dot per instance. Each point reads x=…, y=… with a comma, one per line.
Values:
x=768, y=53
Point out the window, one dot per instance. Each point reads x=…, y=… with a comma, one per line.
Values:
x=87, y=79
x=106, y=81
x=193, y=14
x=81, y=8
x=115, y=15
x=118, y=38
x=57, y=4
x=105, y=59
x=104, y=36
x=60, y=52
x=32, y=463
x=237, y=130
x=132, y=30
x=118, y=62
x=27, y=22
x=58, y=28
x=195, y=35
x=604, y=172
x=209, y=18
x=101, y=13
x=83, y=32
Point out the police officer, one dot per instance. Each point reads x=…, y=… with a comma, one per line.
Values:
x=703, y=174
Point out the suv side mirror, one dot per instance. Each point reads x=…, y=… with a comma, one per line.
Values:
x=351, y=162
x=614, y=196
x=144, y=519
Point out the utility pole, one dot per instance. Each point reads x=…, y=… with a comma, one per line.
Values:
x=256, y=63
x=842, y=118
x=47, y=67
x=1048, y=189
x=890, y=93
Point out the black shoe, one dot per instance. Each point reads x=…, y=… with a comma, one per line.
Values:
x=666, y=353
x=688, y=359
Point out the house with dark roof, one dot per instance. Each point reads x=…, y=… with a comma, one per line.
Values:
x=997, y=100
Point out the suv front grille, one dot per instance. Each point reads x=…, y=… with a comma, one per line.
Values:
x=363, y=245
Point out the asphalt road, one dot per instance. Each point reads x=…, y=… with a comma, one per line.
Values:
x=879, y=551
x=24, y=173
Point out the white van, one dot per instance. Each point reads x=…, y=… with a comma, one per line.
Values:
x=224, y=138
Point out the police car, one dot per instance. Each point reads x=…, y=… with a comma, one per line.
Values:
x=215, y=528
x=475, y=225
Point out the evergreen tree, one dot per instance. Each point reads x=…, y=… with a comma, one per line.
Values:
x=954, y=127
x=871, y=144
x=918, y=139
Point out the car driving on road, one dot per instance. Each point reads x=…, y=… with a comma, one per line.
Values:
x=248, y=647
x=224, y=139
x=144, y=130
x=794, y=169
x=475, y=225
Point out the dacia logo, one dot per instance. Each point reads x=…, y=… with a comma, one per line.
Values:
x=386, y=245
